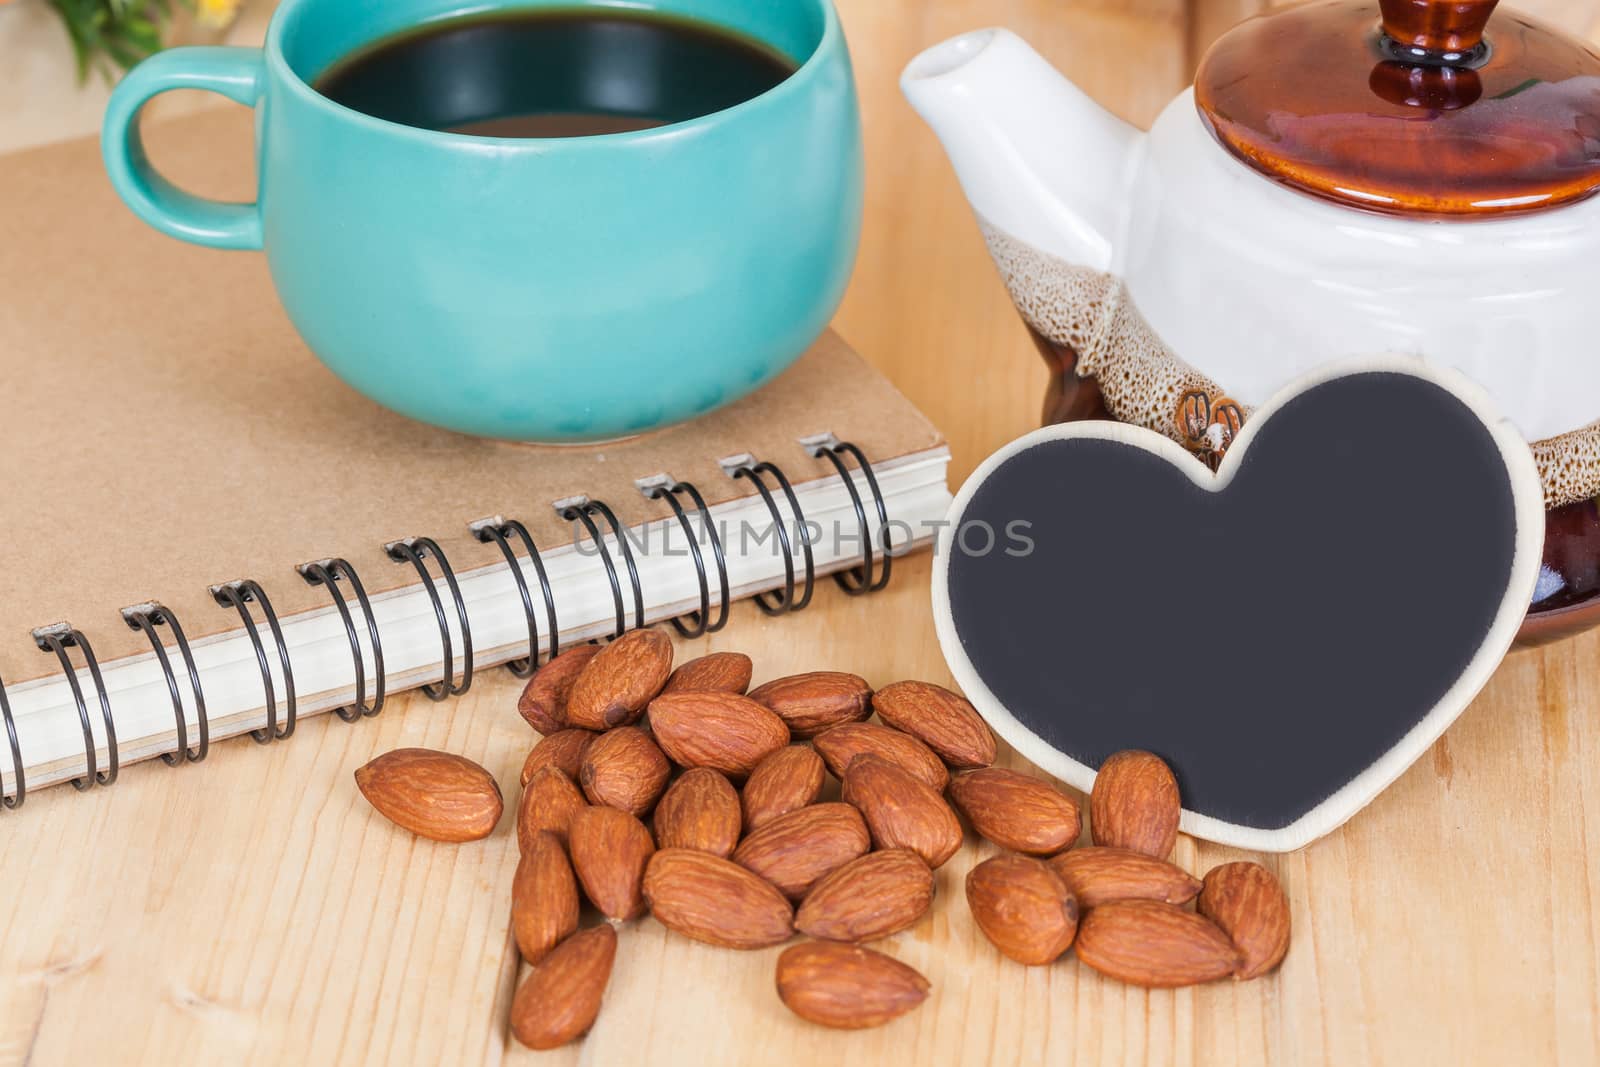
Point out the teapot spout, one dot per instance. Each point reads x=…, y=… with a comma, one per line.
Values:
x=1037, y=158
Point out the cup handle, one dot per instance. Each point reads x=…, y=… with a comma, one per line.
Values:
x=236, y=73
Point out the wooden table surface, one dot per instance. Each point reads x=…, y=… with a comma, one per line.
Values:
x=254, y=909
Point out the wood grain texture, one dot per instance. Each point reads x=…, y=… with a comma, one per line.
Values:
x=253, y=909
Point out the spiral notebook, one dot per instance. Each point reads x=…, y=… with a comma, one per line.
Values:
x=207, y=534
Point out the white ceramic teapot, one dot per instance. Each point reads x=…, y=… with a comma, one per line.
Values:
x=1338, y=182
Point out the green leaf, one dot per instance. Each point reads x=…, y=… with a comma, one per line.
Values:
x=111, y=34
x=143, y=35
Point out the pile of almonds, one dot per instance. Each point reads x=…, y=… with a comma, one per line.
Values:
x=741, y=851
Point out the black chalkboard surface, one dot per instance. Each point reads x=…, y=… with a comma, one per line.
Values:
x=1290, y=633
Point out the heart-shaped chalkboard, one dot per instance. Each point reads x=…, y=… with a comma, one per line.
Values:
x=1289, y=633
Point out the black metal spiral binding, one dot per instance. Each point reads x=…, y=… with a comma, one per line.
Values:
x=328, y=572
x=747, y=467
x=58, y=638
x=582, y=510
x=146, y=617
x=414, y=550
x=795, y=595
x=699, y=622
x=21, y=794
x=238, y=595
x=498, y=530
x=858, y=579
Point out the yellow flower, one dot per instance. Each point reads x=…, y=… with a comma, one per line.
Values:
x=216, y=13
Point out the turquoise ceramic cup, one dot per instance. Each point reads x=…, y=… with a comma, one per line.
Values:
x=561, y=289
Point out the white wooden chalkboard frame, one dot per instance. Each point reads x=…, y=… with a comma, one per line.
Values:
x=1360, y=790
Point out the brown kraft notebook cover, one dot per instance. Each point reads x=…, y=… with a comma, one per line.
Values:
x=165, y=429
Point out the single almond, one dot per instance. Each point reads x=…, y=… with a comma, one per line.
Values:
x=544, y=897
x=1246, y=901
x=723, y=731
x=544, y=699
x=842, y=744
x=609, y=851
x=845, y=986
x=1134, y=804
x=1099, y=875
x=715, y=900
x=901, y=811
x=715, y=672
x=701, y=811
x=814, y=702
x=1017, y=811
x=614, y=687
x=563, y=749
x=877, y=895
x=549, y=801
x=1022, y=907
x=1148, y=943
x=624, y=769
x=784, y=781
x=795, y=851
x=560, y=999
x=947, y=722
x=436, y=795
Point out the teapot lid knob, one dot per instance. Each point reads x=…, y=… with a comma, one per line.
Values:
x=1443, y=30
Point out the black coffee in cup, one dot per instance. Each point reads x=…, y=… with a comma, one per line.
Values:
x=562, y=72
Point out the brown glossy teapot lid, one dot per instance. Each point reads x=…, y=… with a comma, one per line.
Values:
x=1424, y=108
